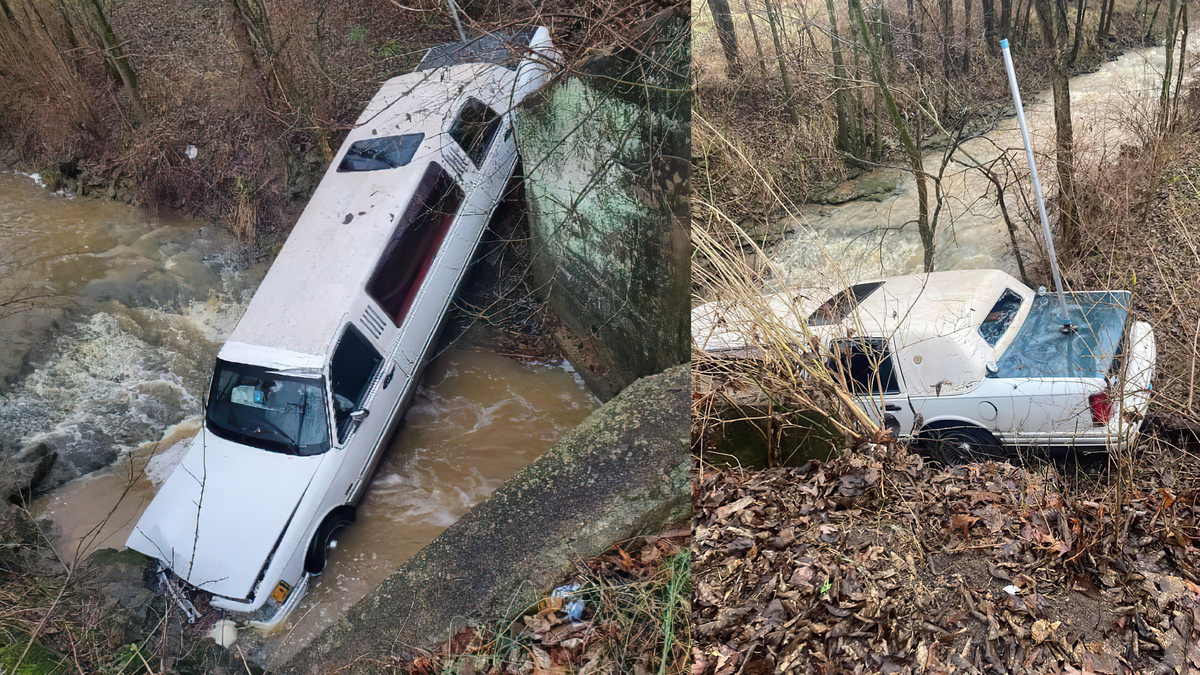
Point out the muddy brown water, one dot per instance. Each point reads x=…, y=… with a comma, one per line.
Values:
x=114, y=366
x=476, y=420
x=132, y=312
x=835, y=245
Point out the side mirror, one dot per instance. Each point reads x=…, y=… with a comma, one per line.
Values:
x=359, y=415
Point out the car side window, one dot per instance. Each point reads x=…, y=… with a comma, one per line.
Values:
x=996, y=323
x=415, y=243
x=355, y=362
x=864, y=365
x=836, y=309
x=475, y=129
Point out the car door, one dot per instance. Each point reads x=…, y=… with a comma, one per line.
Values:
x=865, y=367
x=364, y=386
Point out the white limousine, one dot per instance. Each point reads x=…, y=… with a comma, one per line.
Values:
x=320, y=369
x=970, y=364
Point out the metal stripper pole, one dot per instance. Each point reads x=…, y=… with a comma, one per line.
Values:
x=454, y=14
x=1037, y=186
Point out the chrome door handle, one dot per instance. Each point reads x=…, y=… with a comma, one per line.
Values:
x=388, y=380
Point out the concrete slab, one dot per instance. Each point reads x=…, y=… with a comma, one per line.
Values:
x=623, y=472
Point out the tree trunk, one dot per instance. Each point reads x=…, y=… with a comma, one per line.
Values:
x=839, y=76
x=1078, y=31
x=793, y=111
x=1164, y=97
x=723, y=20
x=1054, y=35
x=912, y=30
x=115, y=54
x=241, y=40
x=989, y=26
x=946, y=38
x=1183, y=19
x=762, y=61
x=966, y=52
x=1006, y=15
x=1147, y=28
x=924, y=228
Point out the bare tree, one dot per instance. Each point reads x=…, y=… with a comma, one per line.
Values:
x=1055, y=33
x=114, y=53
x=926, y=228
x=762, y=65
x=728, y=36
x=793, y=112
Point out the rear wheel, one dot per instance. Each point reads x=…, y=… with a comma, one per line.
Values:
x=326, y=538
x=962, y=445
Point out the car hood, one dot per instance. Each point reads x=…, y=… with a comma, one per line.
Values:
x=216, y=520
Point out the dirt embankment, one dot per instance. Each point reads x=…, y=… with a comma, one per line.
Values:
x=236, y=106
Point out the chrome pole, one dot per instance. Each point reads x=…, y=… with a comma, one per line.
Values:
x=1037, y=186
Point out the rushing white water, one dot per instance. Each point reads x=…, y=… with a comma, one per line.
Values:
x=132, y=312
x=834, y=245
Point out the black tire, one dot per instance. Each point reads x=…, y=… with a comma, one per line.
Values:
x=962, y=445
x=325, y=539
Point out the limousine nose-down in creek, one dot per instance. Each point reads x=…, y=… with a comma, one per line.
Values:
x=970, y=364
x=319, y=370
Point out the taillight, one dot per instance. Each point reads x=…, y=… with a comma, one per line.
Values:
x=1101, y=407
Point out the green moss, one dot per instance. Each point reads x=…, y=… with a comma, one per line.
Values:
x=39, y=660
x=809, y=436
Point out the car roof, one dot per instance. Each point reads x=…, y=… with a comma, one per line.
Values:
x=932, y=323
x=327, y=259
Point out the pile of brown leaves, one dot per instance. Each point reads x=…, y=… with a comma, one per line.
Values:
x=878, y=562
x=635, y=611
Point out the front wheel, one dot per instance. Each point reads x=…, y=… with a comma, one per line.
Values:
x=962, y=445
x=326, y=538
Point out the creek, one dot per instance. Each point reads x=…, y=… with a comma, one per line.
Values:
x=111, y=369
x=834, y=245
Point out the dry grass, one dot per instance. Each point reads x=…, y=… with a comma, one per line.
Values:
x=263, y=136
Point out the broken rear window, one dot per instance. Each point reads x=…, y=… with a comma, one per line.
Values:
x=373, y=154
x=996, y=323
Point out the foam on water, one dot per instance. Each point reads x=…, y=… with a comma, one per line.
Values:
x=104, y=389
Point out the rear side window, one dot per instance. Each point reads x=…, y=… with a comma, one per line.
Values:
x=837, y=308
x=373, y=154
x=355, y=362
x=864, y=366
x=996, y=323
x=475, y=128
x=415, y=242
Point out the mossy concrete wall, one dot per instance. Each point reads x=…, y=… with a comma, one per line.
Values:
x=606, y=154
x=623, y=472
